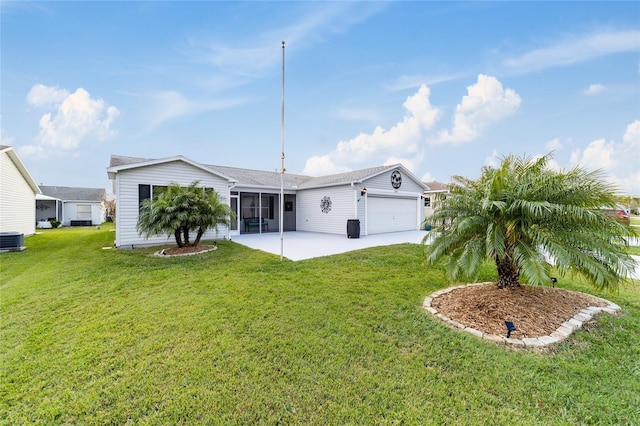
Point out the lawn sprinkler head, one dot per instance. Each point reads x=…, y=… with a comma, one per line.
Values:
x=510, y=327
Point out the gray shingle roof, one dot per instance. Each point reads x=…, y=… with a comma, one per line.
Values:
x=260, y=178
x=437, y=186
x=249, y=177
x=66, y=193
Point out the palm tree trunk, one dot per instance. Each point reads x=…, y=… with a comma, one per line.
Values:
x=200, y=233
x=177, y=235
x=508, y=273
x=185, y=234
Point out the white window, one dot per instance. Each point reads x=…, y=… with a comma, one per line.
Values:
x=83, y=211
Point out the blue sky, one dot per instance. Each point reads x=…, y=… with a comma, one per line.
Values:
x=442, y=87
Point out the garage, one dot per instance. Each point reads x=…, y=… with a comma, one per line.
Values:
x=385, y=214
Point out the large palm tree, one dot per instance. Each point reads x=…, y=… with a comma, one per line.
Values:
x=522, y=215
x=179, y=210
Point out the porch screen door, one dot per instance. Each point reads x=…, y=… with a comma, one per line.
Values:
x=234, y=229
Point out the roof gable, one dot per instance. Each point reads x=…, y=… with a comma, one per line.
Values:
x=119, y=163
x=13, y=156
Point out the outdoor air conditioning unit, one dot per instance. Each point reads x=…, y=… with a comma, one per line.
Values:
x=11, y=241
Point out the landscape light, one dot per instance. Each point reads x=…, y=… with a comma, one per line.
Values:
x=510, y=327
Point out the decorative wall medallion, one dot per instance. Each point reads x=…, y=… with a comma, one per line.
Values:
x=325, y=204
x=396, y=179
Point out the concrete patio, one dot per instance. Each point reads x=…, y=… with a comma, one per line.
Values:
x=306, y=245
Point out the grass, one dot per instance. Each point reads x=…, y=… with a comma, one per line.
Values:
x=93, y=336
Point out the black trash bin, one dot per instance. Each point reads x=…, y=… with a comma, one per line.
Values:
x=353, y=228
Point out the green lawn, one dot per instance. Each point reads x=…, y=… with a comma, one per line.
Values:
x=93, y=336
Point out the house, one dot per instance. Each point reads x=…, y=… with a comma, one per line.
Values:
x=71, y=206
x=17, y=194
x=430, y=195
x=381, y=199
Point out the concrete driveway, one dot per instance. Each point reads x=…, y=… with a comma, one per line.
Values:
x=306, y=245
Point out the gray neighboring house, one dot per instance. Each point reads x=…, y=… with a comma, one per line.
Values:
x=71, y=206
x=382, y=199
x=17, y=194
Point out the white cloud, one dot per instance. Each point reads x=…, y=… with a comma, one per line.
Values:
x=576, y=49
x=41, y=95
x=553, y=145
x=486, y=102
x=412, y=81
x=428, y=177
x=168, y=105
x=618, y=160
x=4, y=138
x=493, y=160
x=309, y=24
x=322, y=165
x=409, y=163
x=32, y=151
x=403, y=139
x=632, y=135
x=594, y=89
x=359, y=114
x=75, y=118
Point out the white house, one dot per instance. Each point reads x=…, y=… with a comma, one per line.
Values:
x=71, y=206
x=17, y=194
x=431, y=195
x=377, y=200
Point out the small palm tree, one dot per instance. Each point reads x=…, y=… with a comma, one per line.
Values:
x=179, y=210
x=522, y=214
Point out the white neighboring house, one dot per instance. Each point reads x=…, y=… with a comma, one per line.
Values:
x=430, y=195
x=71, y=206
x=381, y=199
x=17, y=194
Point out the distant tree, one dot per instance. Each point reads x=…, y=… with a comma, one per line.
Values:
x=110, y=206
x=520, y=214
x=179, y=210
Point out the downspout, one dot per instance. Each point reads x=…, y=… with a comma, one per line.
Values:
x=355, y=200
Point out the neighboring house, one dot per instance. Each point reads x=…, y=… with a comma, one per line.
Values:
x=383, y=199
x=430, y=195
x=17, y=194
x=71, y=206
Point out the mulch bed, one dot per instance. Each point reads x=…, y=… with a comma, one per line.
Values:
x=534, y=311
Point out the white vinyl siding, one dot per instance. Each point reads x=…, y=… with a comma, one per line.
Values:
x=82, y=210
x=309, y=216
x=17, y=199
x=163, y=174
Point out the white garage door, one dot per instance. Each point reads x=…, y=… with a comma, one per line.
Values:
x=391, y=214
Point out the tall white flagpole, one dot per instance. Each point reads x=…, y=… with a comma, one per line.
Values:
x=282, y=170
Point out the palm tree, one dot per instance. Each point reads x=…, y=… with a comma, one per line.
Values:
x=179, y=210
x=522, y=214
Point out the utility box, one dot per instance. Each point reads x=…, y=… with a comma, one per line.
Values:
x=11, y=241
x=353, y=228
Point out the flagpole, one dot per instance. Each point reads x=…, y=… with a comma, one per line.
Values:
x=282, y=170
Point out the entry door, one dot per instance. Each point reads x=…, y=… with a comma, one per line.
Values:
x=289, y=218
x=235, y=228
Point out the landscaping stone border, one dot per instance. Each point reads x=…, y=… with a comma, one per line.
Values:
x=560, y=334
x=162, y=254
